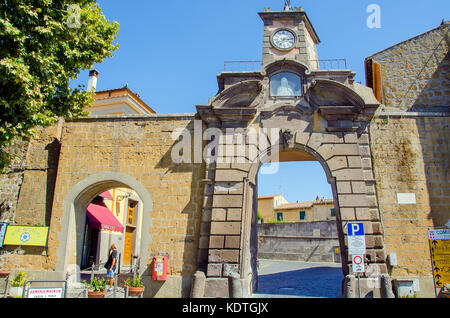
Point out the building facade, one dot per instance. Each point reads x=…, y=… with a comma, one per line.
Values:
x=410, y=146
x=267, y=205
x=196, y=174
x=308, y=211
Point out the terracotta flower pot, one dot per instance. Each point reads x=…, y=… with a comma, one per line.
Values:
x=93, y=294
x=135, y=291
x=4, y=274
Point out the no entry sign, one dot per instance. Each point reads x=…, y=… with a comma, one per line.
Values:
x=358, y=263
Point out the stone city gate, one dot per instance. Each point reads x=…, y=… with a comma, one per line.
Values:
x=328, y=123
x=203, y=214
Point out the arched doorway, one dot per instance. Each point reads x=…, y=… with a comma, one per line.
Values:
x=112, y=217
x=298, y=250
x=275, y=155
x=85, y=239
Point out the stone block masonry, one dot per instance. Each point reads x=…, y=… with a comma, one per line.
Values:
x=139, y=148
x=410, y=147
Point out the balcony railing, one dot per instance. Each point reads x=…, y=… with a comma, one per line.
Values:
x=242, y=66
x=252, y=66
x=330, y=64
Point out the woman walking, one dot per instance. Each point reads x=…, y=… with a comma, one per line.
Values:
x=111, y=265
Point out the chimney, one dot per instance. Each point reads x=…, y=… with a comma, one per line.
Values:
x=93, y=77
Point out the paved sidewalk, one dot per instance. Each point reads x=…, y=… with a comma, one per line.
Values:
x=291, y=279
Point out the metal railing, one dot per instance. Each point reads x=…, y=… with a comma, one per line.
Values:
x=5, y=292
x=135, y=266
x=242, y=66
x=134, y=271
x=253, y=66
x=330, y=64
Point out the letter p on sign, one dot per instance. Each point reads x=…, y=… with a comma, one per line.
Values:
x=355, y=229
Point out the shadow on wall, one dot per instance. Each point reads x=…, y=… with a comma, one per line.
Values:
x=318, y=282
x=193, y=208
x=433, y=134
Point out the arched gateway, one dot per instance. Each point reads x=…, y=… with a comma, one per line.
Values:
x=291, y=111
x=202, y=214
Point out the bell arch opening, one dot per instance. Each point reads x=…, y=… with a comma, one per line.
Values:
x=298, y=233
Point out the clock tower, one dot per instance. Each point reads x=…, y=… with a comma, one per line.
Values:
x=289, y=34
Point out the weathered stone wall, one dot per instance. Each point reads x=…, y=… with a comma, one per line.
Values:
x=410, y=147
x=11, y=181
x=416, y=72
x=29, y=189
x=141, y=149
x=303, y=241
x=138, y=147
x=416, y=161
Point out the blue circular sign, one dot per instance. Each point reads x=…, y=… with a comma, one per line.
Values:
x=25, y=237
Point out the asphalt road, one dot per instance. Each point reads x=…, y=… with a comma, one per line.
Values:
x=291, y=279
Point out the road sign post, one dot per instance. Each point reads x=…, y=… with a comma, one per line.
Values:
x=357, y=248
x=358, y=267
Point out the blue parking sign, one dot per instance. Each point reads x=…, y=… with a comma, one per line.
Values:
x=355, y=229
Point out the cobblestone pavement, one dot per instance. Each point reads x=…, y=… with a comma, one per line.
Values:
x=291, y=279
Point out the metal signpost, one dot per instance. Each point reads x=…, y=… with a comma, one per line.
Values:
x=357, y=248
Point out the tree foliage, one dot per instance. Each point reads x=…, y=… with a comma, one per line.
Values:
x=43, y=45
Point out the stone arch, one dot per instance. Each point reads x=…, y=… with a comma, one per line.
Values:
x=267, y=155
x=249, y=227
x=345, y=156
x=76, y=201
x=286, y=66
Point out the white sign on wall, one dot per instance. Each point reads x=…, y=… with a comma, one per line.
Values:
x=356, y=239
x=45, y=292
x=406, y=198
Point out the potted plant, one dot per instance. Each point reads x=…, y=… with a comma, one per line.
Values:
x=446, y=291
x=96, y=287
x=135, y=286
x=16, y=289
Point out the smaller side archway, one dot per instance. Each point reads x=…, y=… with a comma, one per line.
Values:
x=74, y=216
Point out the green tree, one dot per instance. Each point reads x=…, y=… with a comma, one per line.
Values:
x=43, y=45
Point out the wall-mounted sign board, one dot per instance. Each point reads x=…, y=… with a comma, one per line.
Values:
x=26, y=235
x=406, y=198
x=440, y=256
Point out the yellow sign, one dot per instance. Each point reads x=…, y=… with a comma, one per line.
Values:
x=26, y=236
x=440, y=256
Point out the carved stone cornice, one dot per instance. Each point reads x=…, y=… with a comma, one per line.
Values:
x=235, y=115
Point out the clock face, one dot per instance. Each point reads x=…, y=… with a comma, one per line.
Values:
x=283, y=40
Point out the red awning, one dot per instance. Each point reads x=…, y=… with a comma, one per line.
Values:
x=100, y=217
x=106, y=195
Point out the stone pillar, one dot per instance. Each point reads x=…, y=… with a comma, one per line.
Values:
x=198, y=285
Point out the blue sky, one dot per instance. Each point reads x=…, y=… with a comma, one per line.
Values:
x=171, y=51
